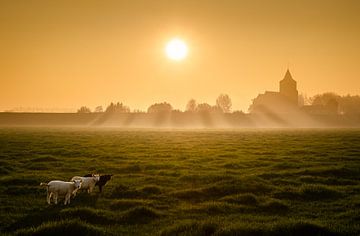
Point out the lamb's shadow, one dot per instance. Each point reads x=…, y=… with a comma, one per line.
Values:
x=85, y=199
x=53, y=212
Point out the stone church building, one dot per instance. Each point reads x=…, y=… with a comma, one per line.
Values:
x=284, y=101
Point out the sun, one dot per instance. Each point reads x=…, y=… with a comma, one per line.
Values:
x=176, y=49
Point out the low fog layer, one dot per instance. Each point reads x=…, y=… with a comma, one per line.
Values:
x=179, y=120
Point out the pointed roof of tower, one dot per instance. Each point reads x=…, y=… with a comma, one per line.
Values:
x=288, y=76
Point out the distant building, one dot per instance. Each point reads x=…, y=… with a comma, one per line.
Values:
x=284, y=101
x=288, y=88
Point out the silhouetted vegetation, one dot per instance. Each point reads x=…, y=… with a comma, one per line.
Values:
x=84, y=109
x=117, y=108
x=224, y=103
x=323, y=110
x=347, y=104
x=160, y=108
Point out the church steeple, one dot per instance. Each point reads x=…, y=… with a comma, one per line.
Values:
x=288, y=88
x=288, y=75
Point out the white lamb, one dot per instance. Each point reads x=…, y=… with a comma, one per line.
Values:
x=58, y=187
x=87, y=183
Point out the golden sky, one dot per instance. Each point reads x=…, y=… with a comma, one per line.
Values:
x=64, y=54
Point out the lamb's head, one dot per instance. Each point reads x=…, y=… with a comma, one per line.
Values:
x=96, y=177
x=106, y=178
x=77, y=183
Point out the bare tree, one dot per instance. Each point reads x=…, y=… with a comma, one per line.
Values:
x=191, y=105
x=224, y=103
x=98, y=109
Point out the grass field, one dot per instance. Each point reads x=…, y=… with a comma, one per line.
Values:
x=213, y=182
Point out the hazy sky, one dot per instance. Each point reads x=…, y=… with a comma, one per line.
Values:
x=64, y=54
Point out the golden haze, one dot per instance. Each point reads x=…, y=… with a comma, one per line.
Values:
x=72, y=53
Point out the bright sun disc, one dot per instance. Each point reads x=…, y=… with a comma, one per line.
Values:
x=176, y=49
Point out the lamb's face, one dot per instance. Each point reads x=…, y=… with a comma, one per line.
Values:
x=106, y=177
x=97, y=178
x=77, y=183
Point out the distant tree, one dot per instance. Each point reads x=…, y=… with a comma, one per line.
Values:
x=346, y=104
x=176, y=111
x=117, y=108
x=302, y=100
x=238, y=113
x=98, y=109
x=160, y=108
x=224, y=103
x=203, y=107
x=323, y=99
x=191, y=105
x=84, y=109
x=216, y=109
x=138, y=111
x=350, y=104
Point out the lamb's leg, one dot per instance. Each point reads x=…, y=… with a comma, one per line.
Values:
x=100, y=188
x=56, y=197
x=48, y=197
x=90, y=189
x=67, y=198
x=74, y=193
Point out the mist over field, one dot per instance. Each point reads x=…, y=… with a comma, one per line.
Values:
x=178, y=120
x=183, y=182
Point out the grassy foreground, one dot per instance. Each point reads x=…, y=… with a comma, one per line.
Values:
x=270, y=182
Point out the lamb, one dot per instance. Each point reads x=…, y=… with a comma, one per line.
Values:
x=88, y=183
x=58, y=187
x=102, y=181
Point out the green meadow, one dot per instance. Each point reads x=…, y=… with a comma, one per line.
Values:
x=183, y=182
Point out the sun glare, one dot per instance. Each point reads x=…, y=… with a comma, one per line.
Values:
x=176, y=49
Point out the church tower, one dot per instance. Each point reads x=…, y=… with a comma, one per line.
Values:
x=288, y=88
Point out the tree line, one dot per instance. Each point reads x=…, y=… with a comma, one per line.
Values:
x=223, y=105
x=347, y=105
